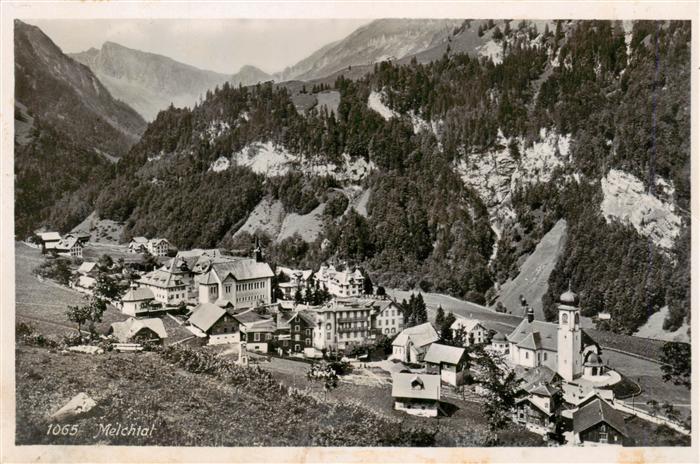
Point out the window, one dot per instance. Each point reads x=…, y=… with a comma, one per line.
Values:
x=307, y=342
x=328, y=326
x=268, y=336
x=603, y=437
x=386, y=331
x=544, y=356
x=393, y=330
x=296, y=328
x=564, y=318
x=308, y=332
x=328, y=335
x=228, y=289
x=527, y=355
x=256, y=336
x=285, y=343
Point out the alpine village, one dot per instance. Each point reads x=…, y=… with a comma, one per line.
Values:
x=480, y=238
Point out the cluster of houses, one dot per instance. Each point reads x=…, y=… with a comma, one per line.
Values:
x=564, y=385
x=229, y=300
x=70, y=245
x=154, y=246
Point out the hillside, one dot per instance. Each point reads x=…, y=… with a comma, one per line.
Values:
x=149, y=82
x=470, y=161
x=69, y=132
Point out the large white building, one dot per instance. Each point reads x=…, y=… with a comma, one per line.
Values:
x=242, y=282
x=342, y=284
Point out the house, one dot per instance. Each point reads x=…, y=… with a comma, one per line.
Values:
x=256, y=330
x=291, y=280
x=244, y=282
x=341, y=323
x=82, y=237
x=499, y=344
x=536, y=408
x=561, y=346
x=342, y=284
x=138, y=245
x=86, y=274
x=49, y=240
x=449, y=362
x=215, y=323
x=137, y=300
x=132, y=330
x=416, y=394
x=168, y=285
x=474, y=332
x=301, y=327
x=596, y=421
x=69, y=246
x=387, y=319
x=412, y=343
x=158, y=246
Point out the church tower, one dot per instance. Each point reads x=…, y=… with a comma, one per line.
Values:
x=569, y=344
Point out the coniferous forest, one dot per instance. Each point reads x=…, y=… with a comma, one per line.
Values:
x=626, y=106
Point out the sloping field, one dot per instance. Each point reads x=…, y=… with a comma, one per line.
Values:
x=654, y=328
x=532, y=280
x=44, y=304
x=100, y=230
x=266, y=217
x=309, y=226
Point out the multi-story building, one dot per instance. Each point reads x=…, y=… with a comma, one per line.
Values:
x=341, y=323
x=242, y=282
x=168, y=286
x=387, y=318
x=342, y=284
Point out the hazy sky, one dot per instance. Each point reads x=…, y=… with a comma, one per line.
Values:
x=222, y=45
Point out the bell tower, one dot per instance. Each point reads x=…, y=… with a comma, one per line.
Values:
x=569, y=343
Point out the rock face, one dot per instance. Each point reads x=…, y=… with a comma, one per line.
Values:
x=80, y=404
x=626, y=200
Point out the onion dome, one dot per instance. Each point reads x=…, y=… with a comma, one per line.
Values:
x=569, y=298
x=593, y=360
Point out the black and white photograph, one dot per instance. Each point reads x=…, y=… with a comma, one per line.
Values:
x=367, y=230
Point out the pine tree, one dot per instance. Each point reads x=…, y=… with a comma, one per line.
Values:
x=440, y=316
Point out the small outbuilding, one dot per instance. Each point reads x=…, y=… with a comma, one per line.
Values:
x=596, y=421
x=133, y=330
x=416, y=394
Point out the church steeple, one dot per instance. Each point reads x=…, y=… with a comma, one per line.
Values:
x=569, y=342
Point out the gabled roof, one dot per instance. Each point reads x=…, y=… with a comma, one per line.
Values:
x=546, y=340
x=87, y=267
x=162, y=278
x=443, y=354
x=50, y=236
x=139, y=240
x=242, y=269
x=249, y=317
x=157, y=241
x=420, y=335
x=138, y=294
x=466, y=323
x=68, y=243
x=125, y=330
x=532, y=341
x=537, y=375
x=419, y=386
x=598, y=411
x=205, y=315
x=543, y=389
x=263, y=325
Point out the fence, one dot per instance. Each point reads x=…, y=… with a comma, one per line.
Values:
x=660, y=420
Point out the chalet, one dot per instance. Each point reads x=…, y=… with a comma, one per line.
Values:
x=536, y=408
x=82, y=237
x=132, y=330
x=69, y=246
x=387, y=318
x=291, y=280
x=169, y=287
x=158, y=246
x=416, y=394
x=474, y=332
x=215, y=323
x=257, y=331
x=136, y=301
x=449, y=362
x=412, y=343
x=301, y=331
x=138, y=245
x=244, y=282
x=86, y=274
x=342, y=284
x=561, y=346
x=49, y=240
x=597, y=422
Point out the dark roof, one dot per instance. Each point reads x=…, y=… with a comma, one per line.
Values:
x=537, y=375
x=598, y=411
x=547, y=335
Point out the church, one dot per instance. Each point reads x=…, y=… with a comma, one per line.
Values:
x=562, y=346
